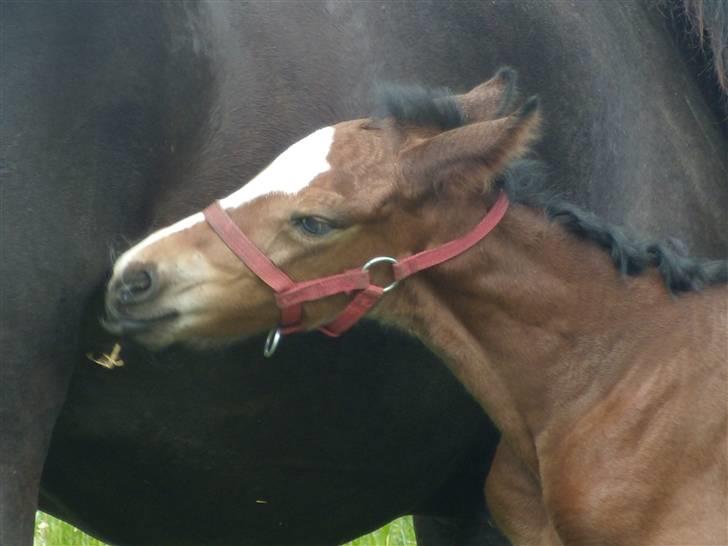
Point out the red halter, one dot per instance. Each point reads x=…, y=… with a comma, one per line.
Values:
x=290, y=295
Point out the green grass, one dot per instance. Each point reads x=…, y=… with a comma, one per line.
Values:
x=50, y=531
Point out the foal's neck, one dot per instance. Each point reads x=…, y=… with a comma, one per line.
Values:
x=529, y=321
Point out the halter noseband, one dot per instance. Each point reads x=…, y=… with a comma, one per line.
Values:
x=290, y=295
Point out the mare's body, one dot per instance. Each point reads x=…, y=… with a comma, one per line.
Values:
x=121, y=117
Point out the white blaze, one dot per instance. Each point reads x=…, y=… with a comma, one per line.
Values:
x=289, y=173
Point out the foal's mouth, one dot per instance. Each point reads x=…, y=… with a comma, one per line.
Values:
x=125, y=325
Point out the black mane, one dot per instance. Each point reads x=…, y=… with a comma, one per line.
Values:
x=417, y=105
x=523, y=182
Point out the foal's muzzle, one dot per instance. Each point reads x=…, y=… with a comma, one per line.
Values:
x=138, y=284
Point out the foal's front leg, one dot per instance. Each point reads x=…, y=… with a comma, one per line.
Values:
x=515, y=500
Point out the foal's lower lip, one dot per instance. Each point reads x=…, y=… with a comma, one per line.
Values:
x=129, y=325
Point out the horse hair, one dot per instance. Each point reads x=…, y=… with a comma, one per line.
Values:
x=709, y=20
x=523, y=181
x=417, y=105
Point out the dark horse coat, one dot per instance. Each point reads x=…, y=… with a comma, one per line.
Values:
x=117, y=117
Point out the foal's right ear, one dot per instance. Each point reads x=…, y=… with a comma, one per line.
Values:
x=467, y=159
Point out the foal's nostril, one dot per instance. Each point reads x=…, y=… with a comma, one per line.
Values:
x=137, y=283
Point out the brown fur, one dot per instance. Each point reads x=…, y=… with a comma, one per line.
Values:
x=610, y=393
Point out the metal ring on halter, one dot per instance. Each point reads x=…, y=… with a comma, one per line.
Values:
x=271, y=342
x=382, y=259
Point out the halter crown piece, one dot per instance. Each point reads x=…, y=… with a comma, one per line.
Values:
x=290, y=295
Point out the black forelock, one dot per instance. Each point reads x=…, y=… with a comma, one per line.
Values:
x=417, y=105
x=524, y=181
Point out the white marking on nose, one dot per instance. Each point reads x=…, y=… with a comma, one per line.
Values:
x=129, y=256
x=289, y=173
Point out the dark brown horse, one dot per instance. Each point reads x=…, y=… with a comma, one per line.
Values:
x=607, y=383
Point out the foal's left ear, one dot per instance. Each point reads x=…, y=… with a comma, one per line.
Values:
x=491, y=99
x=468, y=158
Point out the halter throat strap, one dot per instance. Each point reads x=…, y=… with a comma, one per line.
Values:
x=290, y=295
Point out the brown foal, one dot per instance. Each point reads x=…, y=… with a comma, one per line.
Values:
x=610, y=390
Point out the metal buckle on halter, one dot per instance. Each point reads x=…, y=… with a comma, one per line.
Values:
x=382, y=259
x=272, y=341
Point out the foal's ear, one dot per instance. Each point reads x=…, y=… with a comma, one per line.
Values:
x=491, y=99
x=469, y=157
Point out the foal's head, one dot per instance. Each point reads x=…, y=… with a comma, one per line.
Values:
x=392, y=186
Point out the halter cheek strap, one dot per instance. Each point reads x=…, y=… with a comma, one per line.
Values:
x=290, y=295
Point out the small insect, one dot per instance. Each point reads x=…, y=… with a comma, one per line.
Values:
x=108, y=361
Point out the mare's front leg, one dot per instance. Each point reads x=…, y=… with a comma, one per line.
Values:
x=516, y=502
x=34, y=373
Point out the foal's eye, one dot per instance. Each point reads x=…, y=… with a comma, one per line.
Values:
x=313, y=226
